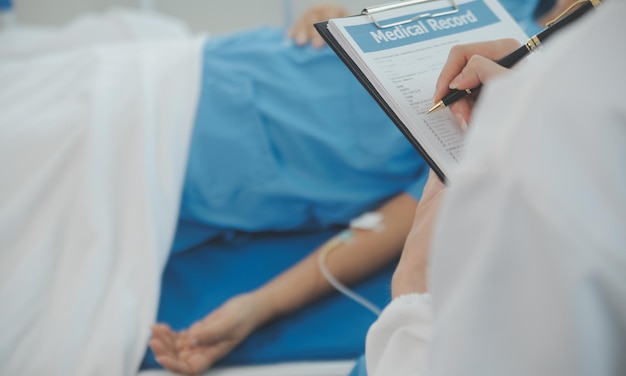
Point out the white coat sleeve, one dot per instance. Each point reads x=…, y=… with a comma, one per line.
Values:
x=529, y=258
x=398, y=341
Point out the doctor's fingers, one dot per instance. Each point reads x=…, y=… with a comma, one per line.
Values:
x=462, y=111
x=460, y=56
x=477, y=71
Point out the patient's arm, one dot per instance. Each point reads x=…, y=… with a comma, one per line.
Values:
x=365, y=253
x=210, y=339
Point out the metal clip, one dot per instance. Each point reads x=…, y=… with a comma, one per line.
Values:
x=370, y=11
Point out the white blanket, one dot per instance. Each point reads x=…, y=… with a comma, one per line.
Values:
x=93, y=146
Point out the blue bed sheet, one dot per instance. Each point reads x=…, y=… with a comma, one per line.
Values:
x=198, y=280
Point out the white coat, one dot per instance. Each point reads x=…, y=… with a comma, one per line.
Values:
x=528, y=263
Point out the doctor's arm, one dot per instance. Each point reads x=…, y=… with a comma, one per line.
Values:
x=467, y=66
x=406, y=323
x=211, y=338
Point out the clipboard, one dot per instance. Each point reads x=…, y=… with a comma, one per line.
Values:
x=371, y=12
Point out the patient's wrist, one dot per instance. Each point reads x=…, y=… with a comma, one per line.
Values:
x=266, y=306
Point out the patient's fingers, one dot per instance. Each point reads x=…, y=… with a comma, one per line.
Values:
x=161, y=329
x=303, y=31
x=174, y=364
x=164, y=334
x=195, y=360
x=163, y=343
x=173, y=353
x=202, y=358
x=160, y=349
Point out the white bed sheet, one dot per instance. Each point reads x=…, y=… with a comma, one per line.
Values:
x=93, y=145
x=321, y=368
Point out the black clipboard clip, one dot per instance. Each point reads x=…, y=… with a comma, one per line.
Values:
x=370, y=11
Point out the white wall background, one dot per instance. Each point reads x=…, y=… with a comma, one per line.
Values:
x=201, y=15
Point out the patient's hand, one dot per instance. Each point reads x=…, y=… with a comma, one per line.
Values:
x=208, y=340
x=303, y=31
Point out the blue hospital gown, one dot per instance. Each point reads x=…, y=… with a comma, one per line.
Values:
x=286, y=139
x=286, y=149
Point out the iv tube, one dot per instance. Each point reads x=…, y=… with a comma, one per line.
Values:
x=331, y=245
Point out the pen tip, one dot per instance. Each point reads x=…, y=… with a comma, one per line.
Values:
x=437, y=107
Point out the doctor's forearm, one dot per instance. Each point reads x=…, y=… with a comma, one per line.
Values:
x=363, y=254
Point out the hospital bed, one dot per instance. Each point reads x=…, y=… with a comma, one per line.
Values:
x=323, y=339
x=319, y=368
x=93, y=143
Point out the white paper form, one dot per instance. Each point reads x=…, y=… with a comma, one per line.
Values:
x=403, y=62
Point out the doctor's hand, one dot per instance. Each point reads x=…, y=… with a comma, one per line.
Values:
x=303, y=32
x=468, y=66
x=208, y=340
x=410, y=275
